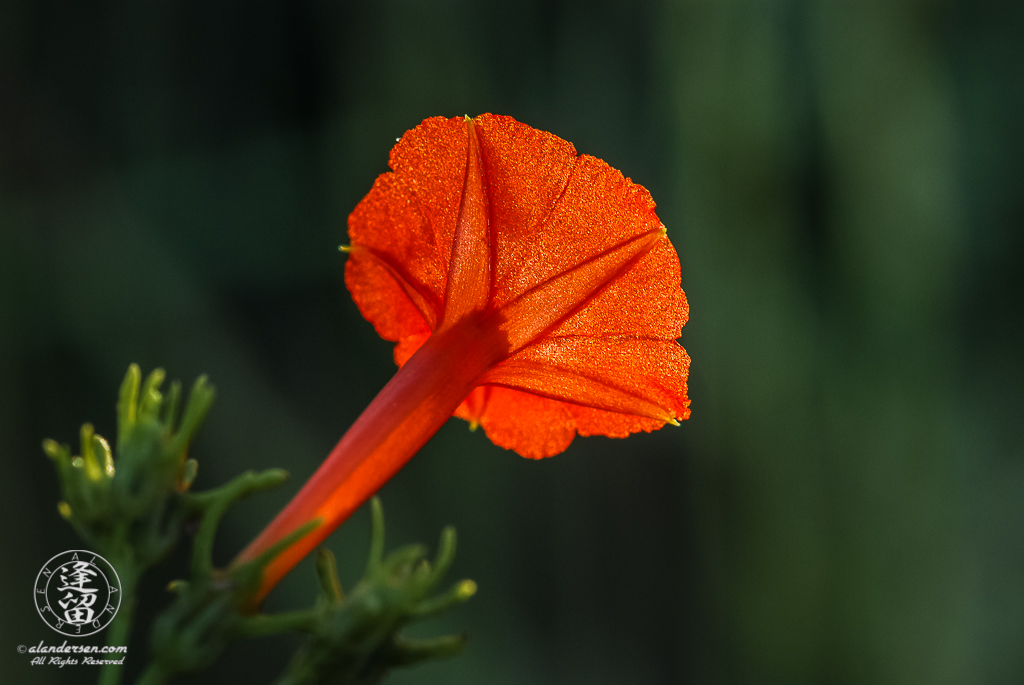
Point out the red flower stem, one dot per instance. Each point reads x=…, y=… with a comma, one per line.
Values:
x=404, y=415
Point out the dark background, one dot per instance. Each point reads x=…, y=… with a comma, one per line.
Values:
x=842, y=182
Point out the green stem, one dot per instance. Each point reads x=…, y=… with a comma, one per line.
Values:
x=121, y=627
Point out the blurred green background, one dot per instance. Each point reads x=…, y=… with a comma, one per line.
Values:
x=843, y=182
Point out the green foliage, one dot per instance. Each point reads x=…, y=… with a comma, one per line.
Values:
x=130, y=510
x=355, y=640
x=133, y=508
x=195, y=629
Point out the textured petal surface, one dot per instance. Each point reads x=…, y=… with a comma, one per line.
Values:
x=408, y=221
x=590, y=386
x=533, y=426
x=628, y=375
x=585, y=283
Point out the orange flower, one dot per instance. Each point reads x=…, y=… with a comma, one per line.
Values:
x=531, y=291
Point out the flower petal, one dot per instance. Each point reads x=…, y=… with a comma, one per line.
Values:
x=646, y=301
x=576, y=384
x=625, y=375
x=528, y=172
x=596, y=210
x=407, y=221
x=533, y=426
x=470, y=272
x=385, y=298
x=550, y=303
